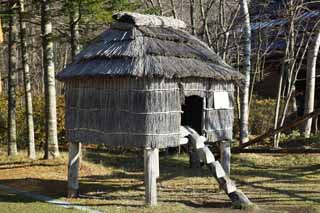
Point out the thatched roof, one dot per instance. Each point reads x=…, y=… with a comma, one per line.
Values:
x=148, y=46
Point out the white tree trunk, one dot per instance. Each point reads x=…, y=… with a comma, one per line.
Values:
x=311, y=81
x=51, y=146
x=27, y=84
x=244, y=113
x=1, y=32
x=12, y=81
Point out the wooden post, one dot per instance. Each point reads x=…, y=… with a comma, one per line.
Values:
x=194, y=160
x=73, y=169
x=157, y=163
x=150, y=175
x=225, y=155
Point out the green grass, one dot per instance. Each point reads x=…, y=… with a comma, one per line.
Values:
x=11, y=203
x=114, y=182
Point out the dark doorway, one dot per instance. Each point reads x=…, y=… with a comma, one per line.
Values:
x=192, y=113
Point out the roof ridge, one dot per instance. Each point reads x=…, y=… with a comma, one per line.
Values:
x=149, y=20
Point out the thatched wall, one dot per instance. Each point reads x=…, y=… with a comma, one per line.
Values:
x=137, y=112
x=218, y=123
x=123, y=112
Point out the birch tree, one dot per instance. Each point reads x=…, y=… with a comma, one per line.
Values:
x=244, y=105
x=74, y=18
x=311, y=80
x=51, y=143
x=12, y=69
x=27, y=82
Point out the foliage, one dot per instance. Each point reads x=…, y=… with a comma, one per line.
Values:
x=261, y=116
x=99, y=10
x=294, y=135
x=39, y=120
x=296, y=139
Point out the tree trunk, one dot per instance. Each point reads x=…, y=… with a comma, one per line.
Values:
x=311, y=81
x=12, y=48
x=27, y=83
x=244, y=114
x=1, y=41
x=192, y=17
x=51, y=143
x=173, y=8
x=74, y=29
x=1, y=32
x=204, y=17
x=160, y=7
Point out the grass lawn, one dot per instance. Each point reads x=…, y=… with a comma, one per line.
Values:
x=114, y=182
x=11, y=203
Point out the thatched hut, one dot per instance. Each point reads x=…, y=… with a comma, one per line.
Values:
x=140, y=80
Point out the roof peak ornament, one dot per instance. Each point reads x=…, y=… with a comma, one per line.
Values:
x=138, y=19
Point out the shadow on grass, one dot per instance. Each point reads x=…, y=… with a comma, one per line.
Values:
x=8, y=197
x=56, y=189
x=274, y=177
x=204, y=205
x=24, y=165
x=169, y=167
x=125, y=182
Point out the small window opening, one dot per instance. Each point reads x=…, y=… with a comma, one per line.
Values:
x=192, y=113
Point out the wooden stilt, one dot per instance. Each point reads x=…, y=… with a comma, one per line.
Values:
x=73, y=169
x=194, y=160
x=150, y=175
x=157, y=163
x=225, y=155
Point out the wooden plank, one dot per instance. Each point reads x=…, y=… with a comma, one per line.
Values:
x=183, y=141
x=199, y=143
x=206, y=155
x=230, y=185
x=150, y=176
x=184, y=132
x=225, y=183
x=73, y=169
x=219, y=170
